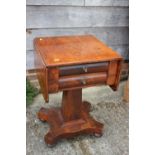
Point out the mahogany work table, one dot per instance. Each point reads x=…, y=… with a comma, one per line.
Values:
x=68, y=64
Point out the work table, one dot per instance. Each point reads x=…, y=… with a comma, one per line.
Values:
x=68, y=64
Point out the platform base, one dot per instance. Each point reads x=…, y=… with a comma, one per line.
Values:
x=60, y=128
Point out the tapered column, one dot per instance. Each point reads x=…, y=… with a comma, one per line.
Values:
x=72, y=104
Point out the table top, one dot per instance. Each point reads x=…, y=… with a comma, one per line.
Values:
x=67, y=50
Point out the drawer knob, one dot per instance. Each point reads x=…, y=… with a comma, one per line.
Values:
x=85, y=69
x=83, y=82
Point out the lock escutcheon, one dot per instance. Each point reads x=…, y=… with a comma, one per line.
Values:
x=85, y=69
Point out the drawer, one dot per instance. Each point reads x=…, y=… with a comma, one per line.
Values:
x=83, y=69
x=84, y=80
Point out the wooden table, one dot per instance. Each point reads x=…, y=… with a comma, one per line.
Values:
x=68, y=64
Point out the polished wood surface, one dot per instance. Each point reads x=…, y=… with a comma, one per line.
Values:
x=69, y=64
x=68, y=50
x=42, y=74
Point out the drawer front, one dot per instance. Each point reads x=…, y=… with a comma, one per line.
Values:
x=82, y=80
x=83, y=69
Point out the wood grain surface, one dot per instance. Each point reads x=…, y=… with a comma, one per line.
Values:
x=68, y=50
x=69, y=63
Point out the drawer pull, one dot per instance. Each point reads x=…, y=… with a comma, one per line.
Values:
x=83, y=82
x=85, y=69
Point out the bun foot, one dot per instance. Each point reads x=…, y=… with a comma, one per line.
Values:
x=43, y=114
x=50, y=139
x=98, y=135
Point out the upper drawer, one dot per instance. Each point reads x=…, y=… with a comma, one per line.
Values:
x=84, y=68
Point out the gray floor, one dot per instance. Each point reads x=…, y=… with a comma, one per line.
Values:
x=107, y=107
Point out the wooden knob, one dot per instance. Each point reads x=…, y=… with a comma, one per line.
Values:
x=83, y=82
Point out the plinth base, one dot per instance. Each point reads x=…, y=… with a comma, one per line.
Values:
x=59, y=128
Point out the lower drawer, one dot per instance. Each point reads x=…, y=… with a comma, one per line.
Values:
x=82, y=80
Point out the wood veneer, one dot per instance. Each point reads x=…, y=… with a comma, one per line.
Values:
x=68, y=64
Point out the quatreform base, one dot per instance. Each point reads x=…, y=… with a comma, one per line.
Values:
x=71, y=120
